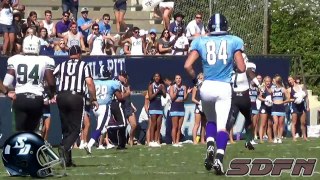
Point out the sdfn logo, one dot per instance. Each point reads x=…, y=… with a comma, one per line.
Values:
x=267, y=167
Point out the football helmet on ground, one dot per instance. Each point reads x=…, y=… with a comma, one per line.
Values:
x=27, y=153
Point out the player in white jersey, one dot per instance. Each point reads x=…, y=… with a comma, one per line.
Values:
x=218, y=53
x=241, y=100
x=29, y=71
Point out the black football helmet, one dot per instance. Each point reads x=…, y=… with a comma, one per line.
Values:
x=105, y=73
x=218, y=24
x=27, y=153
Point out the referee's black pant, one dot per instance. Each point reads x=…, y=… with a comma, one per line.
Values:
x=71, y=108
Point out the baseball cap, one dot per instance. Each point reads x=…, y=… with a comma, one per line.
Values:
x=84, y=9
x=153, y=31
x=74, y=50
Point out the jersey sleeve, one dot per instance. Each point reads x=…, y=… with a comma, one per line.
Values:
x=195, y=44
x=11, y=63
x=238, y=44
x=50, y=64
x=87, y=71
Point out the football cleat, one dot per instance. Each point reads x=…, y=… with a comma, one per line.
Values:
x=88, y=149
x=249, y=146
x=218, y=167
x=208, y=162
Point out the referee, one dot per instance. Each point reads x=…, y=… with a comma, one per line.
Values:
x=74, y=75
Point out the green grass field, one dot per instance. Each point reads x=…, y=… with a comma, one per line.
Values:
x=167, y=162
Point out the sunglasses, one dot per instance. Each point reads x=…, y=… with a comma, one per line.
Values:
x=95, y=28
x=66, y=16
x=136, y=31
x=106, y=18
x=198, y=17
x=166, y=32
x=62, y=43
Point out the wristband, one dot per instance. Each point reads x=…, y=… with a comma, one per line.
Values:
x=256, y=81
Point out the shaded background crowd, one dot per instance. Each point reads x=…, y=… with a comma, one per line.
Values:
x=94, y=34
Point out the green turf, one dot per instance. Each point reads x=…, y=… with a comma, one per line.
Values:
x=167, y=162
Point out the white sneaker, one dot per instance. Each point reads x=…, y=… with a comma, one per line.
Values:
x=265, y=137
x=88, y=149
x=297, y=135
x=253, y=142
x=175, y=145
x=275, y=140
x=156, y=144
x=82, y=145
x=110, y=146
x=279, y=140
x=255, y=137
x=180, y=145
x=101, y=147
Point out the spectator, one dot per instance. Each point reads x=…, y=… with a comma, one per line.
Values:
x=96, y=41
x=125, y=45
x=181, y=44
x=166, y=8
x=60, y=49
x=19, y=27
x=105, y=29
x=164, y=45
x=6, y=27
x=178, y=22
x=84, y=24
x=109, y=49
x=73, y=37
x=195, y=27
x=46, y=45
x=152, y=43
x=63, y=25
x=71, y=6
x=44, y=38
x=33, y=23
x=104, y=26
x=49, y=24
x=120, y=8
x=138, y=45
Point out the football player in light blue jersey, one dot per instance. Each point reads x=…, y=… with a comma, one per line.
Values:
x=218, y=52
x=105, y=89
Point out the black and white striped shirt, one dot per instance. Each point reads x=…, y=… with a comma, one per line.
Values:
x=72, y=75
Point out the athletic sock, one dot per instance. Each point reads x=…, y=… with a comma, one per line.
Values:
x=211, y=130
x=222, y=140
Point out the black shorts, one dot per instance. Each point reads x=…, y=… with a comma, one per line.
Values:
x=120, y=5
x=240, y=103
x=118, y=114
x=28, y=109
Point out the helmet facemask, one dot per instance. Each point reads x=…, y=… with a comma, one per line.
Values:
x=51, y=163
